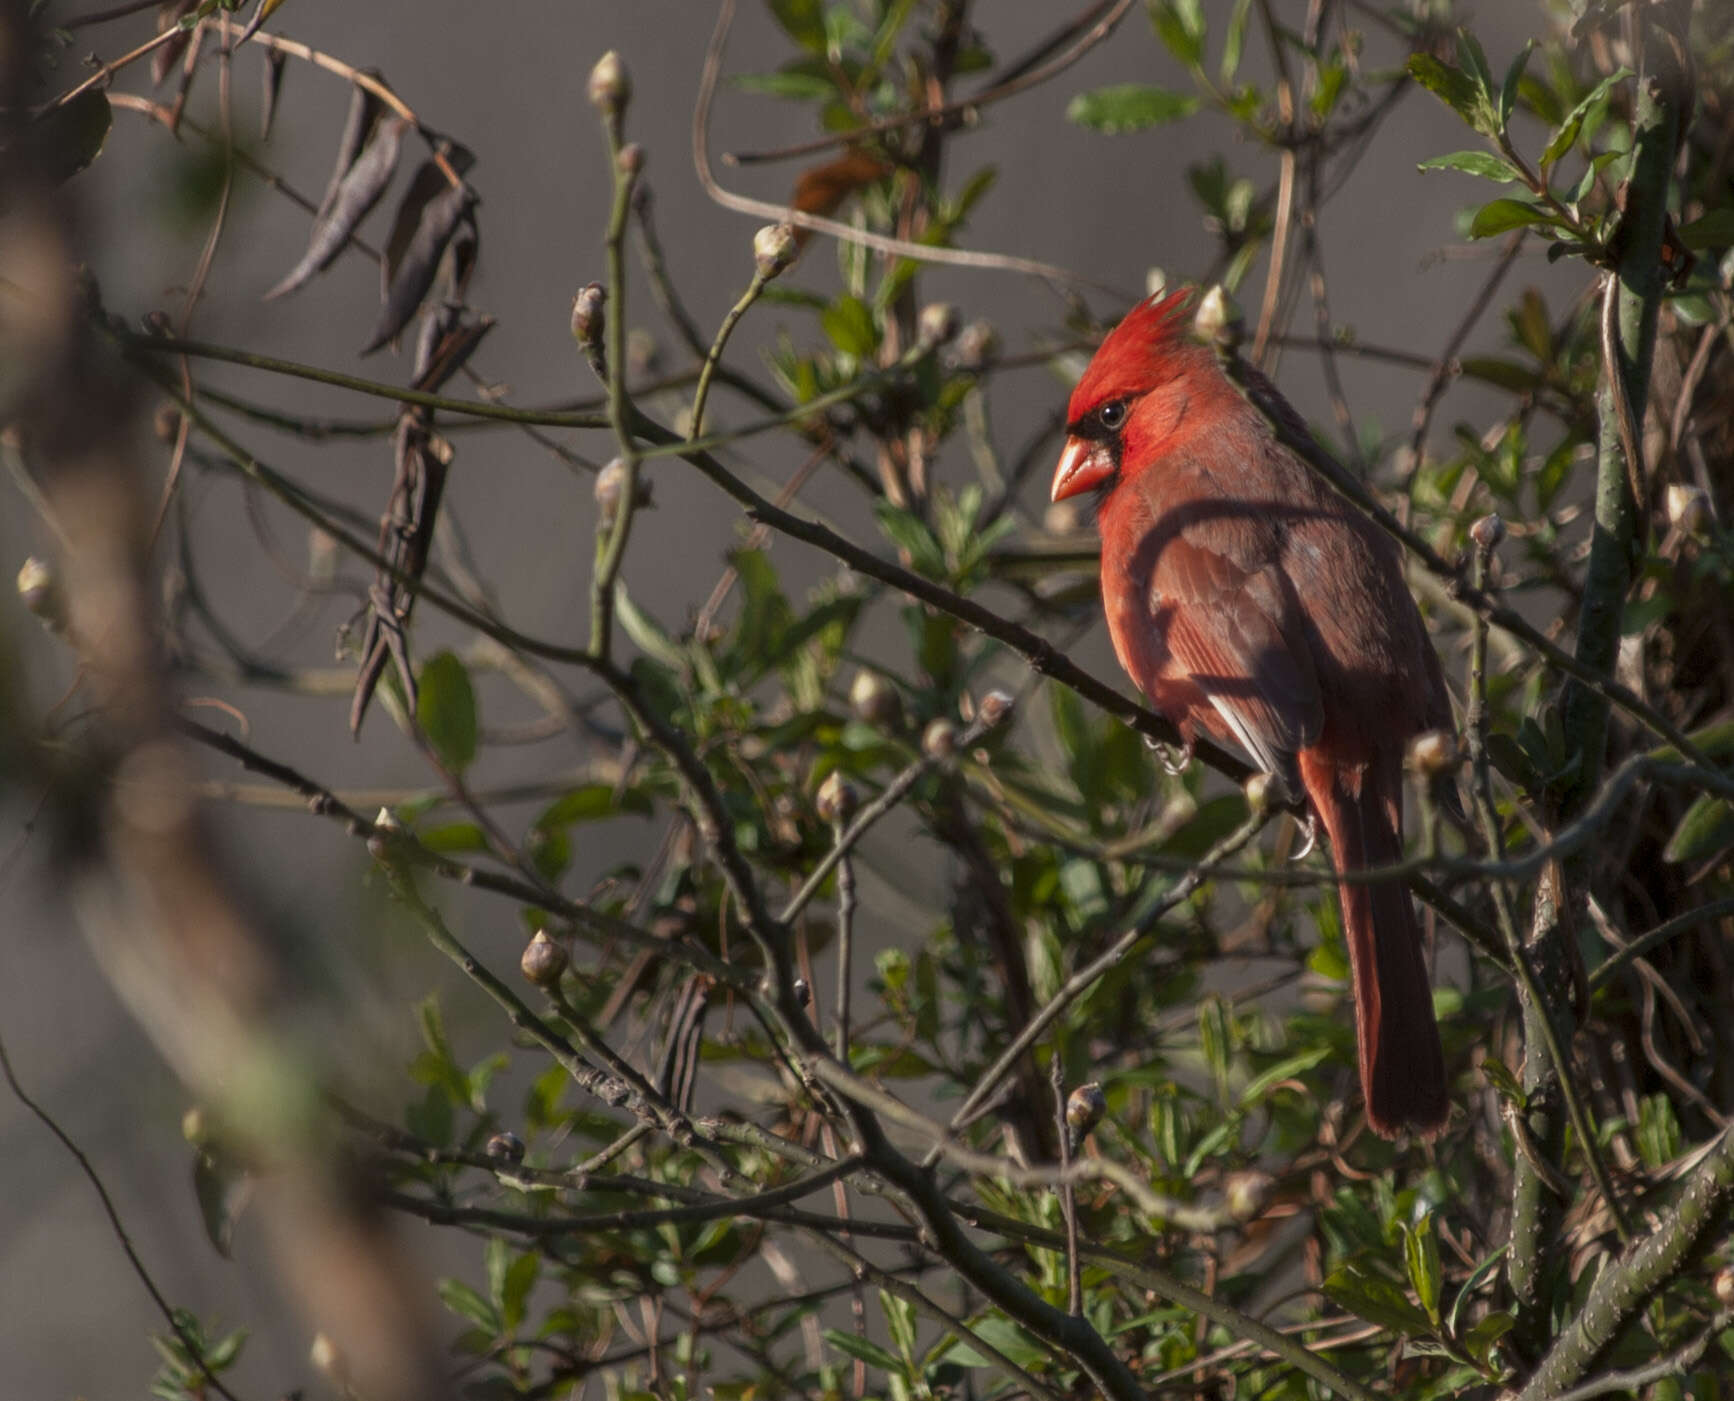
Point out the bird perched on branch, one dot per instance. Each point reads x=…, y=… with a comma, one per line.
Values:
x=1248, y=601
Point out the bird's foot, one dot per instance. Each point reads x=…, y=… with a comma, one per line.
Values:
x=1309, y=826
x=1174, y=758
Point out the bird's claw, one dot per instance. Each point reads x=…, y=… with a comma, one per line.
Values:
x=1174, y=758
x=1309, y=826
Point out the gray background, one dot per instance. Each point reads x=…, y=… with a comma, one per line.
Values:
x=508, y=80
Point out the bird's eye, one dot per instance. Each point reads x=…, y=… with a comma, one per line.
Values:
x=1112, y=415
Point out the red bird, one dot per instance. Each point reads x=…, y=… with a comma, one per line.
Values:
x=1247, y=600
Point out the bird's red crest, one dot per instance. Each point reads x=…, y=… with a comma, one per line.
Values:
x=1138, y=354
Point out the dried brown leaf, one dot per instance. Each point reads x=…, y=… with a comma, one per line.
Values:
x=415, y=272
x=357, y=192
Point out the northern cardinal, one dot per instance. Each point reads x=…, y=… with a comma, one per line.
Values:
x=1246, y=600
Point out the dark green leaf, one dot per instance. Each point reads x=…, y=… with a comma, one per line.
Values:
x=466, y=1303
x=911, y=535
x=590, y=801
x=63, y=141
x=1503, y=215
x=1376, y=1299
x=1451, y=85
x=1713, y=230
x=1566, y=136
x=1129, y=107
x=445, y=709
x=1483, y=163
x=1180, y=26
x=869, y=1352
x=790, y=84
x=1479, y=1340
x=803, y=21
x=1706, y=829
x=1506, y=374
x=1421, y=1255
x=1499, y=1076
x=647, y=633
x=1513, y=76
x=848, y=322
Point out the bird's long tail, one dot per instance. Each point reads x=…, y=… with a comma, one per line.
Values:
x=1402, y=1066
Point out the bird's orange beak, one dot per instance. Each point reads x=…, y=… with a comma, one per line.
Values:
x=1084, y=465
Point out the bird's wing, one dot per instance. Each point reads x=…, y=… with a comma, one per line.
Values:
x=1237, y=634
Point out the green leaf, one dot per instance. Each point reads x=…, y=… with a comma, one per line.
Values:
x=1513, y=76
x=803, y=21
x=1128, y=107
x=590, y=801
x=515, y=1289
x=1566, y=136
x=1505, y=374
x=1375, y=1299
x=848, y=322
x=646, y=633
x=1421, y=1255
x=1180, y=26
x=869, y=1352
x=1452, y=86
x=1713, y=230
x=1499, y=1076
x=911, y=535
x=791, y=84
x=445, y=709
x=1483, y=163
x=1505, y=214
x=467, y=1303
x=1285, y=1069
x=1479, y=1340
x=1706, y=829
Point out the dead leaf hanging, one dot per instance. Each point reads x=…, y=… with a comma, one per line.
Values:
x=414, y=274
x=346, y=204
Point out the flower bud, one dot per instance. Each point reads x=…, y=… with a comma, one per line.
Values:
x=994, y=708
x=328, y=1360
x=1433, y=753
x=1686, y=505
x=939, y=739
x=1217, y=319
x=610, y=87
x=937, y=325
x=631, y=159
x=875, y=700
x=385, y=827
x=1258, y=789
x=977, y=345
x=610, y=490
x=39, y=591
x=836, y=800
x=1723, y=1285
x=1487, y=532
x=1085, y=1107
x=774, y=248
x=590, y=315
x=506, y=1147
x=543, y=961
x=1245, y=1193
